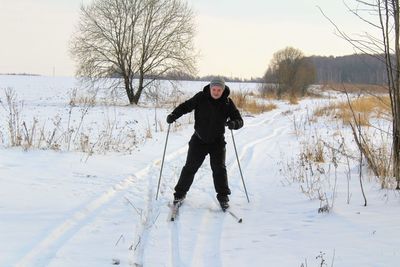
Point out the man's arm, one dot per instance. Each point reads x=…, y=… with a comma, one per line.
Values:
x=235, y=119
x=184, y=108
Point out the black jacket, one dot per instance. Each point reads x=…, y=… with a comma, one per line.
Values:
x=210, y=114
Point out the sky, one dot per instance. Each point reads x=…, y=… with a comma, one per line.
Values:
x=233, y=37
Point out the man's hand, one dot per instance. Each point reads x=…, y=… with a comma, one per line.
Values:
x=171, y=118
x=231, y=124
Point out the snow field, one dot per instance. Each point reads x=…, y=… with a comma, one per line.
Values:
x=65, y=208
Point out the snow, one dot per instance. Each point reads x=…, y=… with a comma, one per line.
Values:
x=72, y=208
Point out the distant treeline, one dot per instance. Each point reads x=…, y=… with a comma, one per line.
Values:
x=178, y=76
x=358, y=68
x=20, y=74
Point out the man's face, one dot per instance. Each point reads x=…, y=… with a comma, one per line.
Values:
x=216, y=91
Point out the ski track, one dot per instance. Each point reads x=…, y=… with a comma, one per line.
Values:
x=152, y=211
x=208, y=247
x=176, y=257
x=247, y=151
x=206, y=226
x=41, y=253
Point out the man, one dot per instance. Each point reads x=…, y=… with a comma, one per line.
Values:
x=213, y=110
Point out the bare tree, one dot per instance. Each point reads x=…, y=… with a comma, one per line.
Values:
x=381, y=16
x=130, y=43
x=291, y=71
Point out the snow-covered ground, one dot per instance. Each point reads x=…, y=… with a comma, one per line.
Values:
x=74, y=208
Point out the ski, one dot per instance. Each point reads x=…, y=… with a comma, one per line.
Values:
x=227, y=210
x=175, y=210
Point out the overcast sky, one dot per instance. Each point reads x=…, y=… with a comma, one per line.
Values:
x=234, y=37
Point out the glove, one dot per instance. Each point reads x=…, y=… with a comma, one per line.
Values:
x=171, y=118
x=231, y=124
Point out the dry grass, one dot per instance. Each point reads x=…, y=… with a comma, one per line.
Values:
x=272, y=95
x=65, y=135
x=375, y=148
x=314, y=152
x=367, y=108
x=149, y=134
x=86, y=100
x=268, y=94
x=309, y=168
x=355, y=88
x=379, y=158
x=250, y=104
x=293, y=100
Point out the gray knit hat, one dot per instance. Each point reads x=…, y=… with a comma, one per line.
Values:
x=217, y=82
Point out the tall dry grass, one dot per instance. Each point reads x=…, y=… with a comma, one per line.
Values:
x=249, y=103
x=367, y=107
x=355, y=88
x=375, y=146
x=69, y=134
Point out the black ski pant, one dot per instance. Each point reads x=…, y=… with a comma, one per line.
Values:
x=197, y=152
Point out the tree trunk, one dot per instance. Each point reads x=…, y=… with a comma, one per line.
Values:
x=396, y=93
x=129, y=89
x=396, y=154
x=136, y=97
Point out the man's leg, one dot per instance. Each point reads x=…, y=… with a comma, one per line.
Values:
x=220, y=177
x=195, y=157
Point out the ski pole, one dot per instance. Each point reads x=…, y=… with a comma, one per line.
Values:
x=240, y=169
x=162, y=162
x=239, y=220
